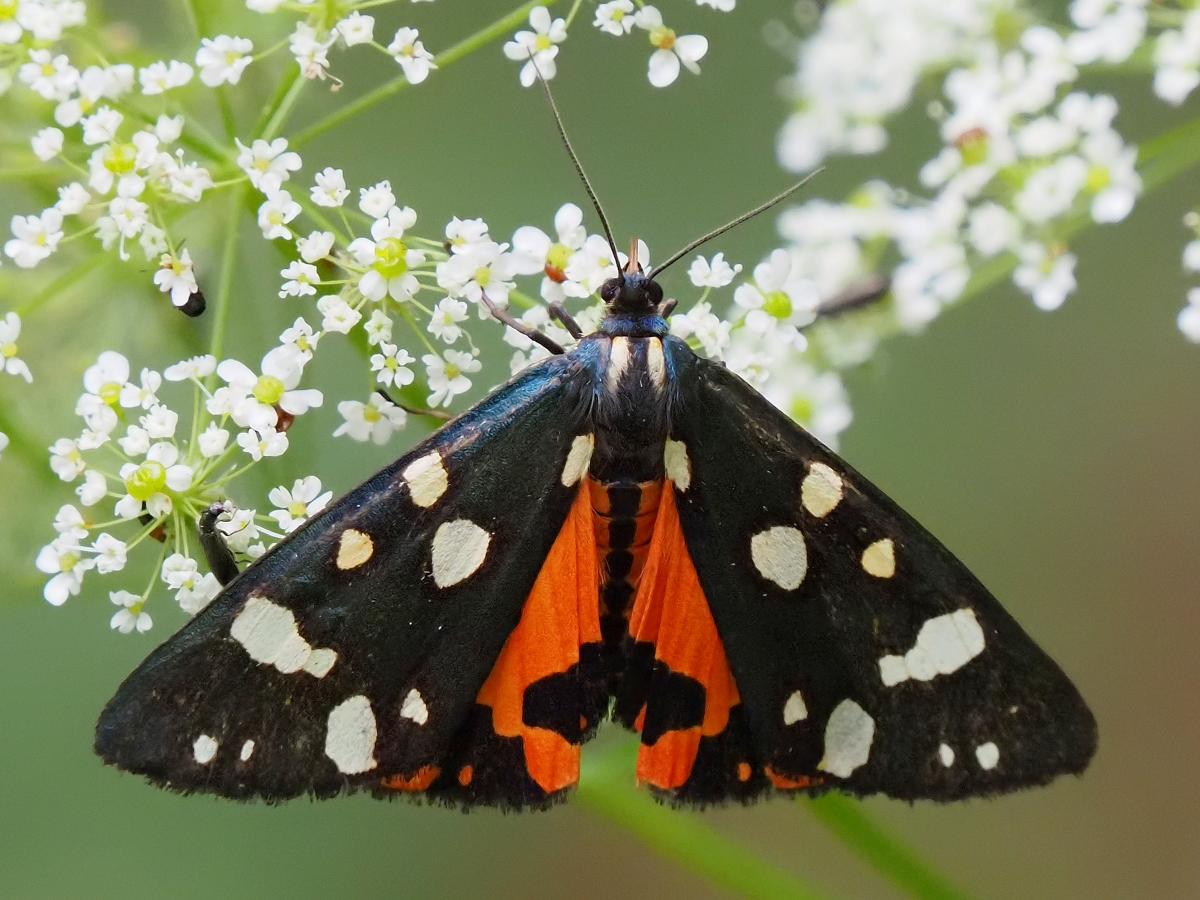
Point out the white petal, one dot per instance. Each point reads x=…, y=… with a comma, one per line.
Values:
x=664, y=68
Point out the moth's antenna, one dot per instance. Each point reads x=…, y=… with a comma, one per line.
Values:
x=654, y=273
x=587, y=185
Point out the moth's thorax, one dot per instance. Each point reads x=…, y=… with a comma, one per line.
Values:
x=630, y=415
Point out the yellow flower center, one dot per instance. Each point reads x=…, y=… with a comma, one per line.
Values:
x=452, y=371
x=483, y=275
x=8, y=9
x=146, y=480
x=1098, y=178
x=543, y=42
x=778, y=304
x=558, y=256
x=8, y=350
x=120, y=158
x=268, y=389
x=371, y=414
x=110, y=393
x=973, y=145
x=68, y=561
x=297, y=508
x=662, y=37
x=802, y=410
x=391, y=257
x=618, y=15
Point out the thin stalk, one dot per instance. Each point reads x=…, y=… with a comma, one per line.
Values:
x=27, y=448
x=81, y=269
x=228, y=266
x=280, y=106
x=498, y=28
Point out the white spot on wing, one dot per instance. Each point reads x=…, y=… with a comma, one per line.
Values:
x=618, y=361
x=880, y=559
x=247, y=749
x=427, y=479
x=988, y=755
x=848, y=736
x=459, y=548
x=268, y=633
x=656, y=363
x=354, y=549
x=780, y=556
x=794, y=710
x=677, y=464
x=944, y=644
x=350, y=736
x=204, y=748
x=946, y=755
x=821, y=490
x=578, y=459
x=414, y=707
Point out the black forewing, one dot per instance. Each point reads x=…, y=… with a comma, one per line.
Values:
x=392, y=627
x=931, y=738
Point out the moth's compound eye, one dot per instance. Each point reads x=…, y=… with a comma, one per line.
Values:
x=610, y=290
x=654, y=292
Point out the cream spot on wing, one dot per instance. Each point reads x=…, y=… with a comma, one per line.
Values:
x=459, y=548
x=268, y=633
x=848, y=736
x=427, y=479
x=578, y=459
x=656, y=363
x=414, y=707
x=204, y=748
x=794, y=710
x=350, y=736
x=354, y=549
x=320, y=661
x=946, y=755
x=880, y=559
x=780, y=556
x=821, y=490
x=677, y=464
x=944, y=644
x=618, y=361
x=988, y=755
x=247, y=749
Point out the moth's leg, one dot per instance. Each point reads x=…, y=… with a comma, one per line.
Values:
x=532, y=333
x=667, y=307
x=558, y=311
x=855, y=296
x=220, y=558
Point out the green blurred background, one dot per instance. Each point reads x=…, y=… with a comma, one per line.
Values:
x=1054, y=453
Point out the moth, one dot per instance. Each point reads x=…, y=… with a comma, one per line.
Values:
x=623, y=531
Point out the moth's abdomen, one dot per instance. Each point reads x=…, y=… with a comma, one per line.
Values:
x=623, y=515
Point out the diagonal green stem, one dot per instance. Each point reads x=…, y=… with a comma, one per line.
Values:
x=228, y=266
x=82, y=268
x=890, y=857
x=498, y=28
x=22, y=445
x=606, y=786
x=277, y=110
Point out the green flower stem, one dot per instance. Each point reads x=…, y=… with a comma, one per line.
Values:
x=21, y=444
x=228, y=117
x=890, y=857
x=606, y=787
x=280, y=106
x=485, y=35
x=220, y=311
x=84, y=267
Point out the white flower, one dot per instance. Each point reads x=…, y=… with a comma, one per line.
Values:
x=356, y=29
x=316, y=246
x=1051, y=190
x=268, y=165
x=34, y=237
x=110, y=554
x=310, y=54
x=264, y=6
x=615, y=17
x=47, y=143
x=378, y=328
x=779, y=292
x=1177, y=60
x=1189, y=317
x=817, y=400
x=590, y=267
x=275, y=213
x=69, y=523
x=101, y=127
x=537, y=48
x=53, y=77
x=339, y=315
x=1191, y=256
x=194, y=591
x=161, y=76
x=377, y=199
x=149, y=481
x=1048, y=278
x=1112, y=175
x=446, y=376
x=168, y=128
x=391, y=364
x=223, y=59
x=302, y=337
x=487, y=268
x=65, y=459
x=176, y=277
x=412, y=56
x=160, y=422
x=388, y=257
x=63, y=558
x=461, y=234
x=710, y=331
x=191, y=369
x=72, y=198
x=144, y=394
x=444, y=322
x=672, y=49
x=136, y=441
x=93, y=489
x=1110, y=30
x=992, y=228
x=330, y=189
x=212, y=441
x=10, y=330
x=301, y=502
x=251, y=399
x=130, y=615
x=534, y=250
x=718, y=274
x=301, y=278
x=374, y=420
x=258, y=443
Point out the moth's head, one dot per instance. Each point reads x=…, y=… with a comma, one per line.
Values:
x=633, y=291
